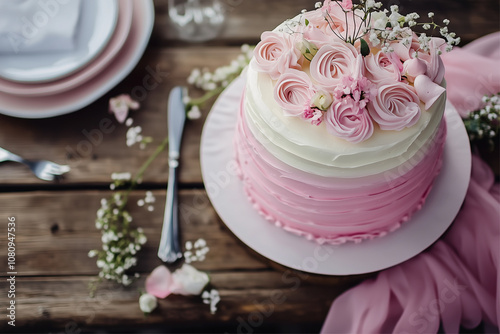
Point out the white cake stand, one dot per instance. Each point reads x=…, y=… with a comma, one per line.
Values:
x=225, y=190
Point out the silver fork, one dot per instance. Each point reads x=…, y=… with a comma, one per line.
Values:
x=43, y=169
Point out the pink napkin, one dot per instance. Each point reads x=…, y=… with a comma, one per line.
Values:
x=472, y=72
x=456, y=282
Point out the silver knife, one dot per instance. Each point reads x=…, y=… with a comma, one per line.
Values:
x=169, y=250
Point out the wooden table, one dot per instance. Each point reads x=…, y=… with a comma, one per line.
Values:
x=55, y=221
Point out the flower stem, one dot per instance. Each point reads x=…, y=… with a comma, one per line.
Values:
x=208, y=95
x=143, y=168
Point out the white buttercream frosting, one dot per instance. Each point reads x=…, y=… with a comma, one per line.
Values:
x=311, y=148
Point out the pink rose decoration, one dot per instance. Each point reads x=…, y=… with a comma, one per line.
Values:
x=382, y=68
x=335, y=15
x=293, y=92
x=395, y=107
x=344, y=119
x=332, y=62
x=275, y=53
x=347, y=4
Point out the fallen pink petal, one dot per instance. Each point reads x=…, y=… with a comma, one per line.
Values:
x=159, y=282
x=120, y=105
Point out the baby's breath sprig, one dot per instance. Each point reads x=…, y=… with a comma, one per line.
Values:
x=381, y=27
x=120, y=241
x=484, y=124
x=134, y=135
x=214, y=83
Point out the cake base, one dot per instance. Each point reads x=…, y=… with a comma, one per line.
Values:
x=225, y=190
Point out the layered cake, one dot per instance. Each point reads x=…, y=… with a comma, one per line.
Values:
x=340, y=136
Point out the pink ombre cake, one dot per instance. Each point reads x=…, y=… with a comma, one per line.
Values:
x=334, y=143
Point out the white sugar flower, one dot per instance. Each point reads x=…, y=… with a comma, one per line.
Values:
x=322, y=100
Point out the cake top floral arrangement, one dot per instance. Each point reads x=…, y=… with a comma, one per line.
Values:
x=355, y=66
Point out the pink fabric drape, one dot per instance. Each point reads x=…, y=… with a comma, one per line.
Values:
x=455, y=282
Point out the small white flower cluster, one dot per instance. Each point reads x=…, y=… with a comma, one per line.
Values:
x=485, y=122
x=120, y=243
x=387, y=28
x=208, y=81
x=149, y=200
x=134, y=135
x=383, y=26
x=212, y=298
x=214, y=83
x=197, y=251
x=119, y=179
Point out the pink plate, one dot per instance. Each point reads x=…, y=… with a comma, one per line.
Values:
x=98, y=64
x=105, y=79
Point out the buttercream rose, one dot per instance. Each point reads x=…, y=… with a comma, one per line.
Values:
x=344, y=119
x=382, y=68
x=332, y=62
x=336, y=18
x=275, y=53
x=395, y=107
x=293, y=92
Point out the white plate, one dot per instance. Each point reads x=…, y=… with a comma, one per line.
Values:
x=79, y=97
x=225, y=190
x=95, y=27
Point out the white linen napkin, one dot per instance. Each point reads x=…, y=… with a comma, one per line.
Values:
x=35, y=26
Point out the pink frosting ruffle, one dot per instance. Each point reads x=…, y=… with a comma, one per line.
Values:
x=330, y=209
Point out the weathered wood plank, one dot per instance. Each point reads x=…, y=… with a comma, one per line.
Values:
x=93, y=143
x=55, y=230
x=251, y=299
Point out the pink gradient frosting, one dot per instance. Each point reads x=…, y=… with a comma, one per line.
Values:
x=335, y=210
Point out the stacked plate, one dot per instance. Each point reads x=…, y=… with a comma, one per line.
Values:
x=110, y=38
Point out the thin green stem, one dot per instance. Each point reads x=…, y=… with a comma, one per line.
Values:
x=141, y=171
x=207, y=96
